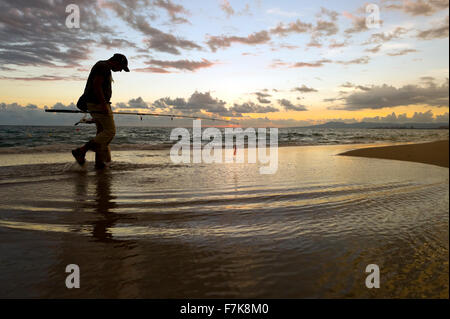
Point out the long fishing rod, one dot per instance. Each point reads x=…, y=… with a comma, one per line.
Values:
x=172, y=116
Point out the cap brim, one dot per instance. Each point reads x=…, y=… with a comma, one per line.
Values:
x=126, y=69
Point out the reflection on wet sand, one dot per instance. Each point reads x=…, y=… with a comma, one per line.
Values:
x=159, y=230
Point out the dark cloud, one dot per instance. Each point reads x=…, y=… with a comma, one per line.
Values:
x=166, y=42
x=417, y=117
x=196, y=103
x=203, y=102
x=304, y=89
x=62, y=106
x=215, y=42
x=262, y=97
x=156, y=39
x=173, y=10
x=43, y=77
x=159, y=66
x=428, y=80
x=16, y=114
x=288, y=106
x=349, y=85
x=33, y=33
x=379, y=97
x=115, y=43
x=250, y=107
x=137, y=103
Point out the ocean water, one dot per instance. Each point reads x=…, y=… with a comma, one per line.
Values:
x=32, y=139
x=147, y=227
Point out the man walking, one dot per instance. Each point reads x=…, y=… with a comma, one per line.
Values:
x=97, y=95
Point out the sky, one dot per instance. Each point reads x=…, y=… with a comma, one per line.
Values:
x=263, y=63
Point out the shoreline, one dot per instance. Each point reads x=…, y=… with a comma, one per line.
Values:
x=433, y=153
x=64, y=148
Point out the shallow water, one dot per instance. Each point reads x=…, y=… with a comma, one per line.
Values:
x=45, y=139
x=149, y=228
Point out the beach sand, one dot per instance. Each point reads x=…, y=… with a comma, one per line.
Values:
x=149, y=228
x=435, y=153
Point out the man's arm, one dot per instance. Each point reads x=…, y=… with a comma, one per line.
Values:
x=98, y=91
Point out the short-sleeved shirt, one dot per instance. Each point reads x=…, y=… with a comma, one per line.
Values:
x=100, y=68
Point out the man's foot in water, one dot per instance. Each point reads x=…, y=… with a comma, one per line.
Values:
x=79, y=156
x=100, y=165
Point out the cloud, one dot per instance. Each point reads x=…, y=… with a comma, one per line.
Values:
x=325, y=28
x=33, y=33
x=382, y=37
x=361, y=60
x=16, y=114
x=436, y=32
x=332, y=15
x=115, y=43
x=320, y=63
x=226, y=7
x=166, y=42
x=334, y=45
x=315, y=64
x=250, y=107
x=294, y=27
x=44, y=77
x=358, y=24
x=349, y=85
x=62, y=106
x=156, y=39
x=379, y=97
x=262, y=97
x=288, y=106
x=304, y=89
x=375, y=49
x=197, y=102
x=137, y=103
x=419, y=7
x=401, y=52
x=215, y=42
x=417, y=117
x=160, y=66
x=173, y=10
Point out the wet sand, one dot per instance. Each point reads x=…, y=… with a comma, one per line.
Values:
x=435, y=153
x=149, y=228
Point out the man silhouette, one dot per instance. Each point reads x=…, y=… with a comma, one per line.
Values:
x=97, y=94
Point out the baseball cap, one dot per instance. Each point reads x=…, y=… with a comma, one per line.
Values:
x=122, y=60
